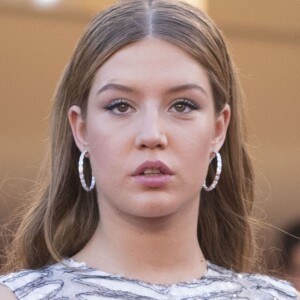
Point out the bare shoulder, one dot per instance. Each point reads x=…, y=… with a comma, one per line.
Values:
x=6, y=294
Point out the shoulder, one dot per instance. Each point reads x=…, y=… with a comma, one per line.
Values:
x=258, y=285
x=279, y=289
x=44, y=281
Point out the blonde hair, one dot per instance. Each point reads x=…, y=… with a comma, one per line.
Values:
x=64, y=217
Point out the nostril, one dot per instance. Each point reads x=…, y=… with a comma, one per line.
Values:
x=158, y=141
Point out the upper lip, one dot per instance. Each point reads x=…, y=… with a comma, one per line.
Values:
x=157, y=164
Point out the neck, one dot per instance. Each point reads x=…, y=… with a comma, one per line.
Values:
x=161, y=250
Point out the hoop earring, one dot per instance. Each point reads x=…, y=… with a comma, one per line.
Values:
x=218, y=173
x=81, y=174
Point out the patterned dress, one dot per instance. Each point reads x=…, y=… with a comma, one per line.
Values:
x=75, y=280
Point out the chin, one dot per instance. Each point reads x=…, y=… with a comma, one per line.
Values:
x=154, y=208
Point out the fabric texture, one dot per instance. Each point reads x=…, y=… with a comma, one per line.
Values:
x=75, y=280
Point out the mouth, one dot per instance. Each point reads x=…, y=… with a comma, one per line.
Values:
x=153, y=168
x=153, y=174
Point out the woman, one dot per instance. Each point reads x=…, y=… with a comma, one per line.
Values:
x=143, y=109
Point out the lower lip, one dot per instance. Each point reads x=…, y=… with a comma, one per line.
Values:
x=153, y=181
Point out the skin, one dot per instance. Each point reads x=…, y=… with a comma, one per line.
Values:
x=5, y=293
x=149, y=223
x=149, y=78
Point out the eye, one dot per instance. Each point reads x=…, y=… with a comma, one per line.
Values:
x=119, y=106
x=184, y=106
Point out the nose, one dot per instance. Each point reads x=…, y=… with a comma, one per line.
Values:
x=150, y=133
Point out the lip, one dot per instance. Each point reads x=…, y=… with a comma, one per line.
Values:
x=154, y=181
x=149, y=164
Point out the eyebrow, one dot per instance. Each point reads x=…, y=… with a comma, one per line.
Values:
x=175, y=89
x=115, y=87
x=184, y=87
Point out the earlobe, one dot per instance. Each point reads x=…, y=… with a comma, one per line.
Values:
x=221, y=125
x=78, y=126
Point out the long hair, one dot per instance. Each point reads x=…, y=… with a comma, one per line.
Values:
x=64, y=217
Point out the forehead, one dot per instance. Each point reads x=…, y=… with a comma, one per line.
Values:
x=152, y=61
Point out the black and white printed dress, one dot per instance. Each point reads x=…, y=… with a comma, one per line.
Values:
x=75, y=280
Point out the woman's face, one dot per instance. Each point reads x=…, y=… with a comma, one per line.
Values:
x=150, y=129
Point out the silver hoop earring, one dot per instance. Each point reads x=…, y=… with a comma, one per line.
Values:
x=81, y=174
x=217, y=176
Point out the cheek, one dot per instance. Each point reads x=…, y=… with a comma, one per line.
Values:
x=200, y=146
x=194, y=140
x=108, y=153
x=197, y=159
x=193, y=149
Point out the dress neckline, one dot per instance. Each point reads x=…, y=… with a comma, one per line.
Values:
x=73, y=263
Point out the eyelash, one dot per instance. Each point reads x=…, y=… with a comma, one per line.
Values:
x=118, y=102
x=115, y=103
x=187, y=102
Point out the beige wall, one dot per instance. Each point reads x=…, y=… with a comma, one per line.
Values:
x=264, y=37
x=34, y=49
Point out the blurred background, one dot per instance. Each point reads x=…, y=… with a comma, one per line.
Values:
x=38, y=36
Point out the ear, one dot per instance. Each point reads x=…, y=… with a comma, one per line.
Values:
x=221, y=125
x=78, y=126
